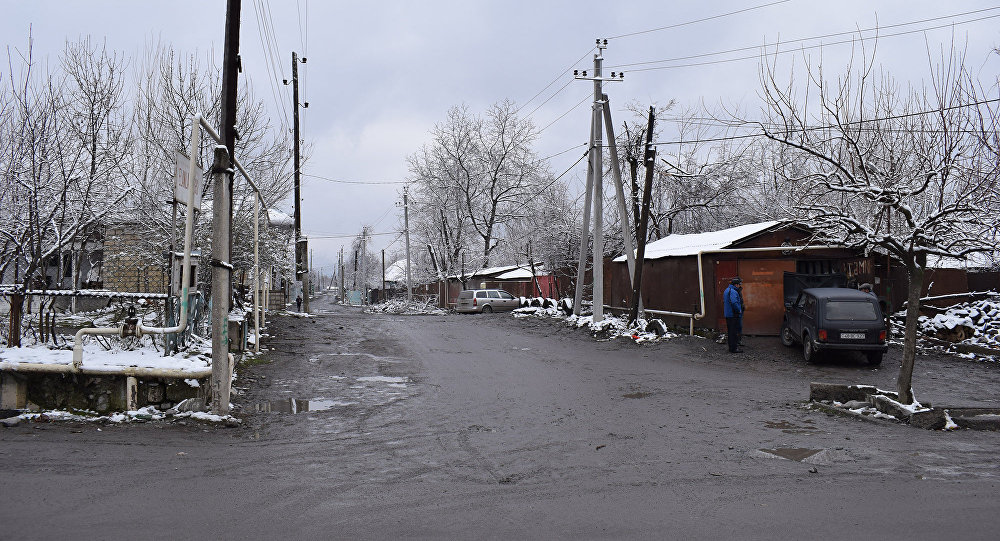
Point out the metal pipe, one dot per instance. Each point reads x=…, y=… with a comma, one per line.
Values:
x=185, y=271
x=256, y=276
x=188, y=239
x=136, y=371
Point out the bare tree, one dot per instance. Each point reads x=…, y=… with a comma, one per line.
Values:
x=472, y=180
x=887, y=169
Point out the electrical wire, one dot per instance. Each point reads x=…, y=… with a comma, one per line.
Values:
x=828, y=127
x=349, y=236
x=799, y=40
x=554, y=81
x=547, y=126
x=370, y=182
x=807, y=47
x=268, y=65
x=678, y=25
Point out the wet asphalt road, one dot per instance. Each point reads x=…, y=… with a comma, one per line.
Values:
x=486, y=426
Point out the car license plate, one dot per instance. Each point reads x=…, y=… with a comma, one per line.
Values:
x=852, y=336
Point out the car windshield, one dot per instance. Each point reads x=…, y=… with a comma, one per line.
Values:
x=850, y=310
x=465, y=295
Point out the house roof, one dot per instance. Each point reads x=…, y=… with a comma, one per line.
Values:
x=276, y=217
x=691, y=244
x=396, y=272
x=509, y=272
x=976, y=260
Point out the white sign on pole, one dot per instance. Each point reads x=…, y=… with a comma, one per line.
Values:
x=182, y=182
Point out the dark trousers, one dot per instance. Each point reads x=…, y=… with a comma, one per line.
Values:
x=734, y=328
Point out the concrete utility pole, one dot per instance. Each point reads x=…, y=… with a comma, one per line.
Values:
x=222, y=176
x=406, y=226
x=301, y=244
x=597, y=151
x=616, y=170
x=596, y=172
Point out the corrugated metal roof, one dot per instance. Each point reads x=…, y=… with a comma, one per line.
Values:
x=691, y=244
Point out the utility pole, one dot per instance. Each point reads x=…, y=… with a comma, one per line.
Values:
x=620, y=192
x=301, y=244
x=364, y=268
x=222, y=174
x=650, y=157
x=406, y=226
x=343, y=294
x=383, y=274
x=597, y=152
x=596, y=173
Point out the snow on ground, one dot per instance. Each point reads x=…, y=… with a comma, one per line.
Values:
x=972, y=323
x=610, y=328
x=148, y=413
x=95, y=357
x=402, y=307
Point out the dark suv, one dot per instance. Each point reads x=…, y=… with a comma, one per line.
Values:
x=827, y=319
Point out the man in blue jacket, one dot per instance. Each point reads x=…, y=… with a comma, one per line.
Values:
x=732, y=307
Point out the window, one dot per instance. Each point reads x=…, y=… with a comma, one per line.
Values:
x=480, y=294
x=494, y=294
x=505, y=295
x=850, y=311
x=810, y=309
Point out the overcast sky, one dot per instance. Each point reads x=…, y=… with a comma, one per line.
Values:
x=379, y=75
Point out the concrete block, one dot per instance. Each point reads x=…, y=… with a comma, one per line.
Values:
x=13, y=392
x=889, y=406
x=839, y=393
x=932, y=419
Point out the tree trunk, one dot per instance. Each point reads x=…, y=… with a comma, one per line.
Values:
x=904, y=384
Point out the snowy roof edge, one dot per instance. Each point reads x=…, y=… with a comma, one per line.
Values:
x=692, y=243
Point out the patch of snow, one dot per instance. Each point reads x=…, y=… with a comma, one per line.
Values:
x=949, y=424
x=384, y=379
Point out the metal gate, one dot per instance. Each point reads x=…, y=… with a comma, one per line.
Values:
x=763, y=292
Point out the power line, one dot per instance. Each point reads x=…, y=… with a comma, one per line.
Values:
x=799, y=40
x=830, y=126
x=268, y=65
x=678, y=25
x=350, y=236
x=554, y=81
x=340, y=181
x=568, y=169
x=798, y=49
x=585, y=98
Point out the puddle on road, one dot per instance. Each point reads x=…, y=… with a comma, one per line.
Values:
x=298, y=405
x=637, y=394
x=797, y=454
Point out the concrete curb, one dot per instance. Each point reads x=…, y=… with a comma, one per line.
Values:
x=931, y=418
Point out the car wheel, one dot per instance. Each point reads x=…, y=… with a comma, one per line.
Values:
x=787, y=339
x=874, y=358
x=809, y=352
x=487, y=309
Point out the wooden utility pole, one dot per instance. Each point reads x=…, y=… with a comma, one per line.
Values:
x=647, y=190
x=222, y=176
x=301, y=244
x=406, y=226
